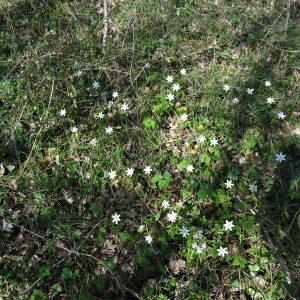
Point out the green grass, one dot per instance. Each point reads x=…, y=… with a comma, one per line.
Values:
x=56, y=195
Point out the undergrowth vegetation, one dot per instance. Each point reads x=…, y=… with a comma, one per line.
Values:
x=162, y=163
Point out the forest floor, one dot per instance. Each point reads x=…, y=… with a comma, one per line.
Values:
x=149, y=150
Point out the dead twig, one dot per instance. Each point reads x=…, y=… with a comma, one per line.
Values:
x=105, y=20
x=118, y=281
x=288, y=14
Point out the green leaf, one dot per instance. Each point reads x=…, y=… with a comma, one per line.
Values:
x=161, y=107
x=110, y=264
x=56, y=289
x=156, y=178
x=66, y=274
x=149, y=123
x=185, y=193
x=205, y=159
x=157, y=216
x=125, y=236
x=254, y=269
x=183, y=165
x=162, y=183
x=98, y=283
x=77, y=273
x=44, y=272
x=202, y=194
x=168, y=177
x=38, y=295
x=95, y=208
x=239, y=261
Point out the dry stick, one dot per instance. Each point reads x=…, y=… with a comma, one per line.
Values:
x=70, y=252
x=288, y=13
x=133, y=50
x=15, y=66
x=105, y=29
x=118, y=281
x=32, y=286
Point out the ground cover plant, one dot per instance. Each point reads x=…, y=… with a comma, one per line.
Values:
x=149, y=149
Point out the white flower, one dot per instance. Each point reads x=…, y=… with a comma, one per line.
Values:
x=78, y=73
x=129, y=172
x=6, y=226
x=147, y=170
x=214, y=142
x=115, y=94
x=199, y=250
x=170, y=79
x=190, y=168
x=100, y=116
x=165, y=204
x=235, y=100
x=280, y=157
x=281, y=115
x=112, y=174
x=184, y=231
x=183, y=71
x=96, y=85
x=62, y=112
x=201, y=139
x=222, y=251
x=229, y=184
x=183, y=117
x=116, y=218
x=124, y=107
x=198, y=234
x=264, y=260
x=204, y=246
x=170, y=97
x=172, y=217
x=148, y=239
x=176, y=87
x=268, y=83
x=252, y=188
x=147, y=65
x=226, y=87
x=74, y=129
x=93, y=142
x=228, y=225
x=176, y=150
x=242, y=160
x=249, y=91
x=270, y=100
x=109, y=130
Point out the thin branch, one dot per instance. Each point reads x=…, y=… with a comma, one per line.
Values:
x=105, y=20
x=119, y=282
x=288, y=14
